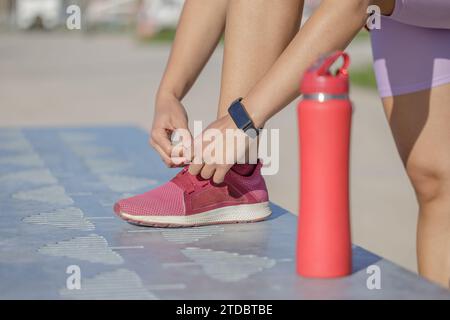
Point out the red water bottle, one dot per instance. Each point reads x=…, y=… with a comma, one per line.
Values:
x=324, y=118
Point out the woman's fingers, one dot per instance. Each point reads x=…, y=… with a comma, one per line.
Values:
x=160, y=138
x=210, y=151
x=170, y=161
x=195, y=168
x=219, y=174
x=207, y=171
x=161, y=142
x=163, y=156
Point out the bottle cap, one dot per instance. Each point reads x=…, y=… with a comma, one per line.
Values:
x=319, y=79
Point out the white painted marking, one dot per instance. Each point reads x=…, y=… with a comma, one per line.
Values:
x=68, y=218
x=228, y=266
x=91, y=150
x=126, y=247
x=183, y=236
x=77, y=137
x=36, y=176
x=52, y=195
x=121, y=183
x=24, y=160
x=100, y=218
x=93, y=248
x=80, y=194
x=119, y=284
x=106, y=204
x=179, y=264
x=176, y=286
x=104, y=166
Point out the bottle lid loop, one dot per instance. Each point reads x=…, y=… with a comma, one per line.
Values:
x=324, y=64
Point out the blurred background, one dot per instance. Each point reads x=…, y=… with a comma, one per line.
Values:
x=107, y=73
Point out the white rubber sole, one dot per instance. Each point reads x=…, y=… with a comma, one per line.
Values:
x=232, y=214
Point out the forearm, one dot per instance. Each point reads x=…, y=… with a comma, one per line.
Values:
x=332, y=27
x=199, y=30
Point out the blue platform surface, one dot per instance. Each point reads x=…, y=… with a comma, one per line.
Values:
x=57, y=189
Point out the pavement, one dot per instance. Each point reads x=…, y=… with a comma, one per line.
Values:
x=70, y=80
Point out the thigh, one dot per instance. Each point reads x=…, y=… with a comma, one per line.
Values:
x=412, y=68
x=420, y=124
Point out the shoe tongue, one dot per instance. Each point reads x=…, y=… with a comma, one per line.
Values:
x=244, y=169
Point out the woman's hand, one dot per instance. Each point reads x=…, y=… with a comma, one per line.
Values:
x=169, y=116
x=219, y=147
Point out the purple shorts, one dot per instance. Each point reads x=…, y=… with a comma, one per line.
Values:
x=411, y=51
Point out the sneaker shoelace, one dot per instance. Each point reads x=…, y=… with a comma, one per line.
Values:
x=189, y=182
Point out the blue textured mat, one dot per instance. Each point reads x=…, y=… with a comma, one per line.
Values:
x=57, y=191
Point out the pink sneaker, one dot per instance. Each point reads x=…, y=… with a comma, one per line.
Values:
x=187, y=201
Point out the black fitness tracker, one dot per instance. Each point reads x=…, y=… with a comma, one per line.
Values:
x=242, y=119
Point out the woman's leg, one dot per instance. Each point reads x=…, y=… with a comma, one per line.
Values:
x=420, y=123
x=256, y=34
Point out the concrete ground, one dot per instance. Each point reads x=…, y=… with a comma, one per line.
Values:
x=64, y=79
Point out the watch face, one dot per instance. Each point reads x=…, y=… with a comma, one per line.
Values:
x=240, y=117
x=242, y=120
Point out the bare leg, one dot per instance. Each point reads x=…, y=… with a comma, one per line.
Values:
x=256, y=34
x=420, y=126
